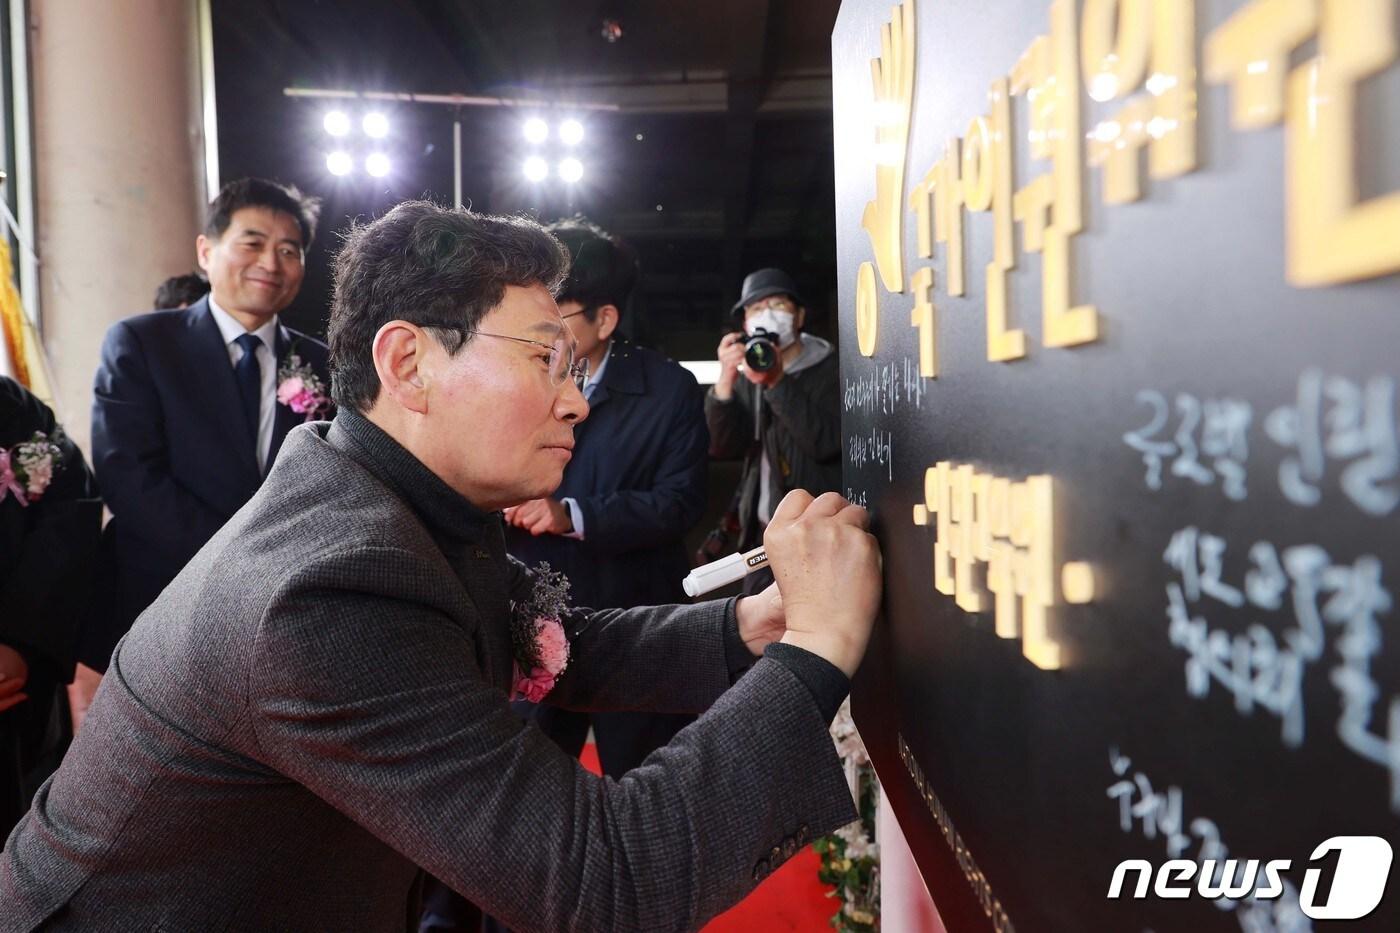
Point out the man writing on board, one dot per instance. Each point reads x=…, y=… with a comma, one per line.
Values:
x=317, y=705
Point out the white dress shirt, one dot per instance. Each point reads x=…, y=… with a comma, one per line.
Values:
x=267, y=362
x=576, y=513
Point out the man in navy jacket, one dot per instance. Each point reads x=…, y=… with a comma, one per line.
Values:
x=635, y=486
x=191, y=406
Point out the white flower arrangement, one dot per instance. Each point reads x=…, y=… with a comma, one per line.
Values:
x=850, y=856
x=27, y=469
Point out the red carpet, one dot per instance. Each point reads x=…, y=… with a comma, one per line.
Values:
x=790, y=899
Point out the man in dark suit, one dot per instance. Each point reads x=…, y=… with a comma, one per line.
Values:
x=635, y=486
x=316, y=707
x=187, y=415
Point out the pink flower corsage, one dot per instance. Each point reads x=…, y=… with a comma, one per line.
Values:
x=538, y=637
x=300, y=389
x=27, y=469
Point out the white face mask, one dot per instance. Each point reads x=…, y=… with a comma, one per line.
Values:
x=775, y=322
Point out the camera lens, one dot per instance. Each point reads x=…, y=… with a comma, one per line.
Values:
x=760, y=352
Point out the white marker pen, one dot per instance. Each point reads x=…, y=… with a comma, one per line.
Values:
x=724, y=571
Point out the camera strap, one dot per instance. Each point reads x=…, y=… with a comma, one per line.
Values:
x=757, y=412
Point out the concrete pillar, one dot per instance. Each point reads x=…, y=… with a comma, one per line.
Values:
x=119, y=162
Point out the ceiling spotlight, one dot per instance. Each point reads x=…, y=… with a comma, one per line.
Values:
x=375, y=125
x=571, y=132
x=337, y=123
x=571, y=170
x=536, y=130
x=640, y=137
x=536, y=169
x=377, y=164
x=339, y=163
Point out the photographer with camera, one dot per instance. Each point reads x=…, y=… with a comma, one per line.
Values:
x=784, y=419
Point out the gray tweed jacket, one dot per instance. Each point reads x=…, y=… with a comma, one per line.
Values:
x=316, y=707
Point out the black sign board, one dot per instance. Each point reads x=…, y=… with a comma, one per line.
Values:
x=1120, y=309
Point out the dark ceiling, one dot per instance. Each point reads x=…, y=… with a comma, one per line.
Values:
x=708, y=129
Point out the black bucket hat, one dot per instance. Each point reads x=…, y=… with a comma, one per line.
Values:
x=762, y=284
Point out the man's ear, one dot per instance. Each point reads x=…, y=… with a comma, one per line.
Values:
x=203, y=245
x=799, y=318
x=608, y=318
x=398, y=355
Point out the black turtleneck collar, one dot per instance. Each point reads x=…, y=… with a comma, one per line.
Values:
x=440, y=507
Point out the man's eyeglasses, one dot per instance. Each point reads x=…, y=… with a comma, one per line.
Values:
x=561, y=356
x=776, y=303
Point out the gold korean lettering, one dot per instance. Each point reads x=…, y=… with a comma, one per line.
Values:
x=1010, y=528
x=924, y=317
x=892, y=75
x=1331, y=236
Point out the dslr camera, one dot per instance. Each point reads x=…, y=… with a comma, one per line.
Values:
x=761, y=350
